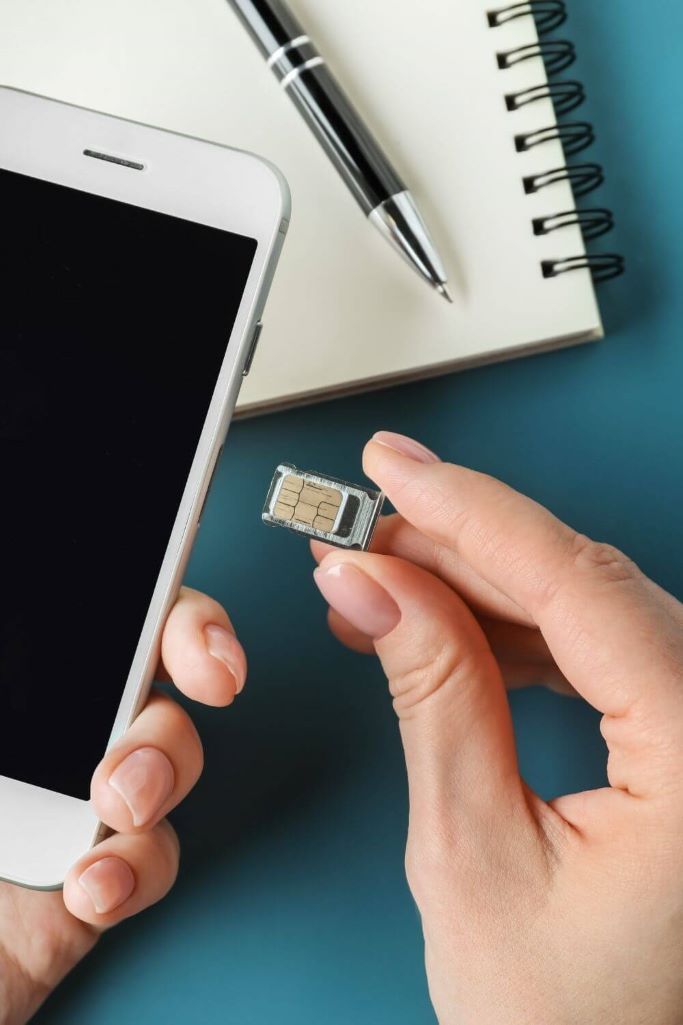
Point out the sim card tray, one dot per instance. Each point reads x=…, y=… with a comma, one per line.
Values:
x=326, y=508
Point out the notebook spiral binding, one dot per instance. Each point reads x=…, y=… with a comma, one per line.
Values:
x=575, y=136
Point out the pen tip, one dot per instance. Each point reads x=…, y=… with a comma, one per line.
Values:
x=442, y=290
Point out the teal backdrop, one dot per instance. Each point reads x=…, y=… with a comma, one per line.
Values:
x=291, y=906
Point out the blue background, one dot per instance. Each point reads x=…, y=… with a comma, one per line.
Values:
x=291, y=904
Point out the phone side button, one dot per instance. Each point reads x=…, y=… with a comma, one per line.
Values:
x=209, y=485
x=258, y=327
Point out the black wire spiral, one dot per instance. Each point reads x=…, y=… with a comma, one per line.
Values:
x=583, y=178
x=566, y=96
x=575, y=136
x=557, y=54
x=602, y=266
x=593, y=223
x=548, y=14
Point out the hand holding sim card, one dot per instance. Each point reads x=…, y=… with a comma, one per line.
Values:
x=325, y=508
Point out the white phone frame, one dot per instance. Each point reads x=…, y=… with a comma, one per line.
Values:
x=43, y=832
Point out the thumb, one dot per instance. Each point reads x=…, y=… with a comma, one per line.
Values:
x=447, y=689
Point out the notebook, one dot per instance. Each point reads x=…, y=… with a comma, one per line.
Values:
x=434, y=80
x=345, y=312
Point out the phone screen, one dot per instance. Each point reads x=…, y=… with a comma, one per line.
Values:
x=114, y=322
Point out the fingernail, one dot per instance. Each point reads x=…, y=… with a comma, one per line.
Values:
x=144, y=779
x=224, y=646
x=406, y=446
x=108, y=883
x=358, y=598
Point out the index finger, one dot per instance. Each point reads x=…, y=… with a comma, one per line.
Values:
x=200, y=651
x=613, y=633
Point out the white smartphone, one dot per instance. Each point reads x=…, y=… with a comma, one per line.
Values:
x=134, y=266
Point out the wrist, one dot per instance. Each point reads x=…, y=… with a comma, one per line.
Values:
x=28, y=978
x=20, y=996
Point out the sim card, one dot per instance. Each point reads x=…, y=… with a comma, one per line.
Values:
x=326, y=508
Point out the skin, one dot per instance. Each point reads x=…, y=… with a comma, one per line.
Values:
x=44, y=935
x=560, y=913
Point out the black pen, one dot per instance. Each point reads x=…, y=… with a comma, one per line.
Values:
x=356, y=154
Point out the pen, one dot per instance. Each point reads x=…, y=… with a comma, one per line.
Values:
x=356, y=154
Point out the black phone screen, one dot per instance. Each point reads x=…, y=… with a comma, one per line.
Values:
x=114, y=322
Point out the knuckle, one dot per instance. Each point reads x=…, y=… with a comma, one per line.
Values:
x=597, y=557
x=167, y=848
x=420, y=880
x=444, y=862
x=429, y=867
x=450, y=664
x=583, y=559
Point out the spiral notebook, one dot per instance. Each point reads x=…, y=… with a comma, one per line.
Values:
x=470, y=101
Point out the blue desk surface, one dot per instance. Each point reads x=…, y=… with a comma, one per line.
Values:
x=291, y=905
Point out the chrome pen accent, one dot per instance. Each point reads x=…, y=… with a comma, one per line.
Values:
x=312, y=62
x=282, y=50
x=375, y=184
x=399, y=220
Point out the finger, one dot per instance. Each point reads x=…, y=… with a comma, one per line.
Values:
x=200, y=651
x=446, y=685
x=395, y=536
x=594, y=607
x=521, y=653
x=150, y=769
x=122, y=876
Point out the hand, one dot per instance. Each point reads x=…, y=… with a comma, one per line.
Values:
x=144, y=775
x=534, y=913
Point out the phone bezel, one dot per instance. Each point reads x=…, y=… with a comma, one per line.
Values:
x=43, y=832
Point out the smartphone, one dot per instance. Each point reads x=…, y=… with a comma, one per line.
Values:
x=134, y=267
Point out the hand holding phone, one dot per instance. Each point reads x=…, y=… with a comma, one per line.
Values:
x=141, y=778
